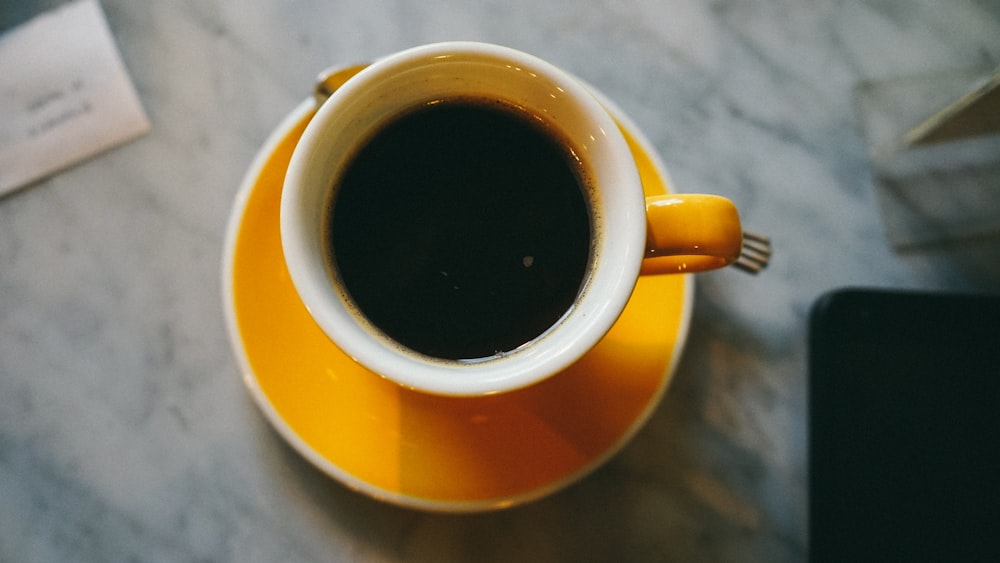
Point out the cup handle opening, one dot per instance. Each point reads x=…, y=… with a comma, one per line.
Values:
x=689, y=233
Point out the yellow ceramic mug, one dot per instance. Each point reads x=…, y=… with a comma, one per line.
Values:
x=466, y=219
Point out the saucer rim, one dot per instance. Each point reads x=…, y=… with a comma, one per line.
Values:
x=284, y=429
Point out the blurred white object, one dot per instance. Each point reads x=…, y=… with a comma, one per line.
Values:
x=934, y=143
x=65, y=94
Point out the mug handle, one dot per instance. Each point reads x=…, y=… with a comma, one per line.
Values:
x=688, y=233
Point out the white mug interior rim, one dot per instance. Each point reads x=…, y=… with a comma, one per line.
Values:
x=411, y=78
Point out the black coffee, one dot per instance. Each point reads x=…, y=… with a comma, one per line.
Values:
x=461, y=230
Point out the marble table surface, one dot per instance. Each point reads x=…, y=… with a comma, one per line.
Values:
x=126, y=433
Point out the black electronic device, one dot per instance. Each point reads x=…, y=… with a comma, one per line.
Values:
x=904, y=427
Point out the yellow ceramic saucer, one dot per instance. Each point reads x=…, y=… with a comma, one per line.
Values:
x=432, y=452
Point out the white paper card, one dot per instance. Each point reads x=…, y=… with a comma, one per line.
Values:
x=65, y=94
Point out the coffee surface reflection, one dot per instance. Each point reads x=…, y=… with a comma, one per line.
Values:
x=462, y=229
